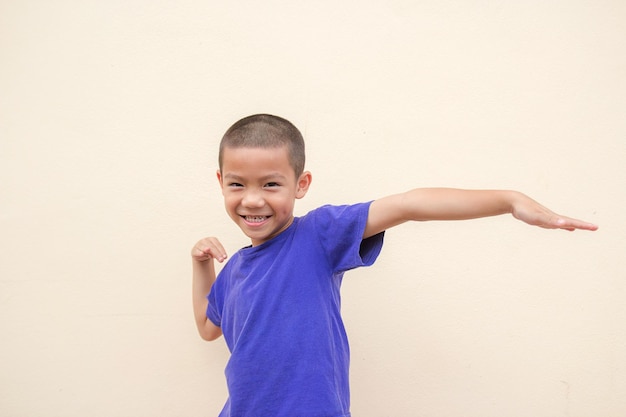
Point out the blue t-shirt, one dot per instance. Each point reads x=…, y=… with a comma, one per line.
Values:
x=278, y=305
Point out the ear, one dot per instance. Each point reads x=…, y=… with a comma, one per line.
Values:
x=220, y=179
x=304, y=182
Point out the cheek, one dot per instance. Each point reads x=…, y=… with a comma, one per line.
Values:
x=285, y=207
x=230, y=202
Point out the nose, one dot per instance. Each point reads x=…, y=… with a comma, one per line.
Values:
x=252, y=199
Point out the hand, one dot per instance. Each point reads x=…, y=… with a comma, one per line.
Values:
x=529, y=211
x=207, y=249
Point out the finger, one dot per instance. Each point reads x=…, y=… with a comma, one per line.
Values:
x=208, y=248
x=219, y=256
x=214, y=249
x=570, y=224
x=201, y=253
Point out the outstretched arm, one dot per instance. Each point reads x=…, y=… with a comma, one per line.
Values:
x=203, y=255
x=424, y=204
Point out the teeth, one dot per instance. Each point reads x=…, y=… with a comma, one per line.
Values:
x=255, y=219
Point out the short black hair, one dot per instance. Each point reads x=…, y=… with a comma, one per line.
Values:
x=266, y=131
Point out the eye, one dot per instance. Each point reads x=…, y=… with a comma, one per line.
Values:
x=234, y=185
x=272, y=184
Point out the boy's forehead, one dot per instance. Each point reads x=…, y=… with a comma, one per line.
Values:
x=275, y=157
x=277, y=152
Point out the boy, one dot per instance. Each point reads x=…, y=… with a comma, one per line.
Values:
x=277, y=302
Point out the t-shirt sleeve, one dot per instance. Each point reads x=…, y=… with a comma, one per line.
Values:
x=213, y=313
x=340, y=229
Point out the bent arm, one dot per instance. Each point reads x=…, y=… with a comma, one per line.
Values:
x=425, y=204
x=203, y=279
x=203, y=255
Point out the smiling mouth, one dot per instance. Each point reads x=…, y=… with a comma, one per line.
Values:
x=255, y=219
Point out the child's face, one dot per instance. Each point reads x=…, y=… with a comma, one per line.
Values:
x=259, y=188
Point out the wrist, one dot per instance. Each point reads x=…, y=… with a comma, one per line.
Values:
x=512, y=200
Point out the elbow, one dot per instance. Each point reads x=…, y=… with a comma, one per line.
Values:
x=209, y=337
x=209, y=332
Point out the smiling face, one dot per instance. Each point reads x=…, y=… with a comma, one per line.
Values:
x=260, y=187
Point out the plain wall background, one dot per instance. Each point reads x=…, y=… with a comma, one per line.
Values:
x=110, y=117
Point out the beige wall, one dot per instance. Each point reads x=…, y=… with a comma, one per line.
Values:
x=110, y=114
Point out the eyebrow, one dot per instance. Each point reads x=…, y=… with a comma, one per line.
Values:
x=275, y=175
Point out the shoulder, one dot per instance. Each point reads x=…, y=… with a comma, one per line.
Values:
x=336, y=220
x=337, y=212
